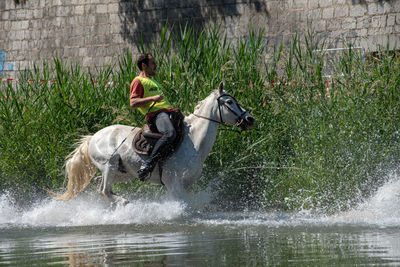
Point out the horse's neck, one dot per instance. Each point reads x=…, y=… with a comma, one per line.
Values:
x=202, y=131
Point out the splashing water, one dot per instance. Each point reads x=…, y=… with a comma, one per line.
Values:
x=88, y=211
x=383, y=209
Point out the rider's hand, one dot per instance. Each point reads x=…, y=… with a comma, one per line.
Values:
x=158, y=98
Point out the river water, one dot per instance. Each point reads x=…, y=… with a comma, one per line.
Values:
x=85, y=232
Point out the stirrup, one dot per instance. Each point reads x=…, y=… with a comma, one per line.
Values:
x=144, y=172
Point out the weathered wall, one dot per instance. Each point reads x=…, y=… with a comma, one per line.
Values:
x=94, y=32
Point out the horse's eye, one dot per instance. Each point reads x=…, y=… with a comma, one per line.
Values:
x=229, y=101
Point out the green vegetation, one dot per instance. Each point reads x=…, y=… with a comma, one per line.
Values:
x=319, y=142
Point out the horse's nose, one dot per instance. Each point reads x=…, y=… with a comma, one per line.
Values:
x=250, y=120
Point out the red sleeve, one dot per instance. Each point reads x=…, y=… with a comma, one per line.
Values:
x=137, y=90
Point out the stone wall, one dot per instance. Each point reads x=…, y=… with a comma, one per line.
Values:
x=96, y=32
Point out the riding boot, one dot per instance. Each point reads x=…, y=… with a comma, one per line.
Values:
x=147, y=167
x=165, y=127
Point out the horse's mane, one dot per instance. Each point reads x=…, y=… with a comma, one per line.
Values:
x=201, y=102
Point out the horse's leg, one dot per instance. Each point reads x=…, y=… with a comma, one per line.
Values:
x=175, y=188
x=109, y=173
x=99, y=182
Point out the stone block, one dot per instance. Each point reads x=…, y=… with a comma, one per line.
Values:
x=363, y=22
x=5, y=15
x=102, y=19
x=389, y=30
x=117, y=38
x=90, y=19
x=378, y=21
x=90, y=9
x=341, y=11
x=20, y=14
x=362, y=32
x=79, y=10
x=378, y=8
x=391, y=19
x=313, y=4
x=14, y=36
x=29, y=14
x=394, y=41
x=10, y=5
x=20, y=25
x=112, y=8
x=299, y=4
x=333, y=24
x=325, y=3
x=375, y=31
x=52, y=11
x=27, y=34
x=56, y=2
x=327, y=13
x=63, y=11
x=319, y=26
x=48, y=2
x=38, y=13
x=71, y=51
x=101, y=9
x=349, y=23
x=314, y=15
x=82, y=51
x=17, y=45
x=358, y=10
x=115, y=28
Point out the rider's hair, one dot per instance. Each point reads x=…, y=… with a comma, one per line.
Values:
x=143, y=58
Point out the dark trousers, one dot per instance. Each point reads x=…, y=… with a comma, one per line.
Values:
x=164, y=126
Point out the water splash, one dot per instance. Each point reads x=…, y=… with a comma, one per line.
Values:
x=382, y=209
x=88, y=210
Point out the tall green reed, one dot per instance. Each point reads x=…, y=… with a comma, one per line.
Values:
x=319, y=142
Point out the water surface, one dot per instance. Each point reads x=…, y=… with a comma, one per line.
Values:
x=86, y=232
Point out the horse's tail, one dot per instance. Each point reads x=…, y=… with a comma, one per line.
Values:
x=79, y=170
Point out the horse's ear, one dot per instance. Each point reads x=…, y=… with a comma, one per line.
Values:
x=221, y=88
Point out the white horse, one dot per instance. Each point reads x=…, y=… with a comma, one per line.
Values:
x=110, y=150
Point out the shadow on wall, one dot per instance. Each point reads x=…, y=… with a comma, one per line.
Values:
x=144, y=18
x=365, y=2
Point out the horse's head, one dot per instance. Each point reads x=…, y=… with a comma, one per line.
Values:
x=231, y=112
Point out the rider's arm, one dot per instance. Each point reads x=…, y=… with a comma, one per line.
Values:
x=136, y=95
x=138, y=101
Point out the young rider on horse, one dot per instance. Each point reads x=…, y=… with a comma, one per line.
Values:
x=147, y=97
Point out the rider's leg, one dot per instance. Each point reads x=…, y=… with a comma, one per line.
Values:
x=165, y=127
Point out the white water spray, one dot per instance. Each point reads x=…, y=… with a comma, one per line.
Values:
x=86, y=210
x=382, y=209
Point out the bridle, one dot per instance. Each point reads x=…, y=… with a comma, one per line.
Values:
x=223, y=103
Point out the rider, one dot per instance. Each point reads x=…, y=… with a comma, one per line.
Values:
x=147, y=97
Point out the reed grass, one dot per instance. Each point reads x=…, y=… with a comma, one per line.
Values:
x=319, y=142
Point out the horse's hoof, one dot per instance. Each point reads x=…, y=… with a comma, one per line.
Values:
x=124, y=202
x=97, y=180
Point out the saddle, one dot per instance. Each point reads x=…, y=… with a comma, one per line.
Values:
x=145, y=139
